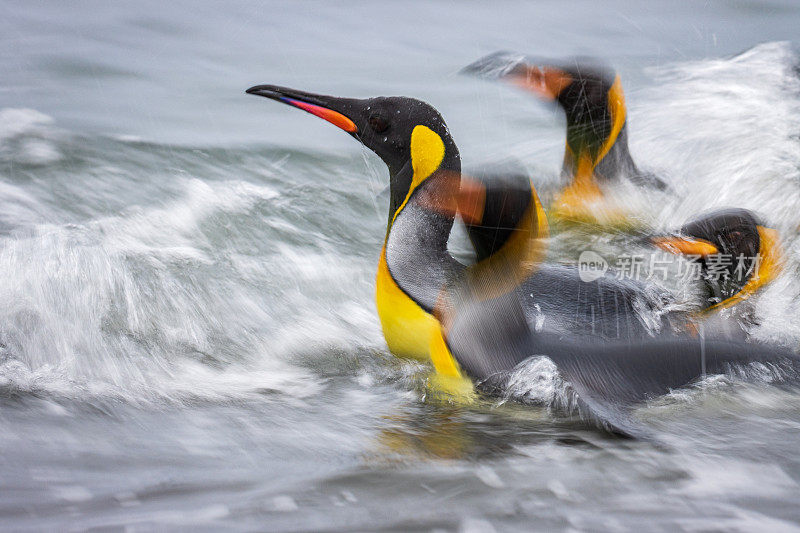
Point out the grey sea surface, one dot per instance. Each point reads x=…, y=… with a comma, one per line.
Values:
x=188, y=334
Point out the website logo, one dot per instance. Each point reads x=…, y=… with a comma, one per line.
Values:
x=591, y=266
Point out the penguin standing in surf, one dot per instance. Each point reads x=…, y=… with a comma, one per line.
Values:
x=480, y=322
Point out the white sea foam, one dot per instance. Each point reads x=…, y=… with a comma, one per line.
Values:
x=15, y=122
x=26, y=136
x=172, y=230
x=537, y=381
x=725, y=131
x=95, y=309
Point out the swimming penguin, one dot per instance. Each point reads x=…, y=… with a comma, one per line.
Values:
x=737, y=254
x=591, y=96
x=507, y=305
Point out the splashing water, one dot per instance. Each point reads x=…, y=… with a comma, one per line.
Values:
x=187, y=329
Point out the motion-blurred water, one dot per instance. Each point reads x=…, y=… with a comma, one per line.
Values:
x=188, y=336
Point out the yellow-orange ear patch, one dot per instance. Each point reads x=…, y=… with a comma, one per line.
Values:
x=427, y=152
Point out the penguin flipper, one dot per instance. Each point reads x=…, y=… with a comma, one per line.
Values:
x=495, y=65
x=489, y=346
x=650, y=180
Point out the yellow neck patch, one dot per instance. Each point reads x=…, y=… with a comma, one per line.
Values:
x=582, y=200
x=407, y=327
x=616, y=105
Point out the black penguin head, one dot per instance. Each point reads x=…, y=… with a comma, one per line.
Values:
x=731, y=231
x=585, y=98
x=582, y=88
x=385, y=125
x=727, y=243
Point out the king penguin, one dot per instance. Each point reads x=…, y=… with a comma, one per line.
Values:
x=596, y=154
x=738, y=255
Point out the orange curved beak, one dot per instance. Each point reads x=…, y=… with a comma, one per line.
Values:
x=318, y=105
x=685, y=246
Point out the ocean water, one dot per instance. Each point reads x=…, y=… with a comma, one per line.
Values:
x=188, y=339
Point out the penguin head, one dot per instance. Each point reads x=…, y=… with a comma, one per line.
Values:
x=735, y=251
x=589, y=92
x=409, y=135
